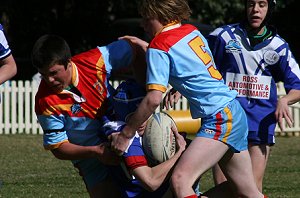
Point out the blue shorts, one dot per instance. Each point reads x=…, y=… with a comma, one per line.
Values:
x=228, y=125
x=259, y=137
x=92, y=171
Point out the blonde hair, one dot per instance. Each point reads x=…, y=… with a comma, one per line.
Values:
x=165, y=11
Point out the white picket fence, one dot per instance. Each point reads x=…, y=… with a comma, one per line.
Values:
x=17, y=109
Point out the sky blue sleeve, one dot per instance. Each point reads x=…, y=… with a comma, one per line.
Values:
x=117, y=54
x=158, y=67
x=54, y=130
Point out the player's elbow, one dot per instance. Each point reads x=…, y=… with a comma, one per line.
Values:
x=58, y=154
x=154, y=98
x=13, y=71
x=11, y=66
x=151, y=185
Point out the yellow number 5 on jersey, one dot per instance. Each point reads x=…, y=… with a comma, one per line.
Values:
x=196, y=44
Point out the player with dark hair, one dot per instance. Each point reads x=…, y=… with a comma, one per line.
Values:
x=179, y=54
x=72, y=97
x=252, y=58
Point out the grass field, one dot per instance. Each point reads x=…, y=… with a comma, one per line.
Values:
x=27, y=170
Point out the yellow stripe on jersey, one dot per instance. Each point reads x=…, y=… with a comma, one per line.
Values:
x=75, y=78
x=55, y=146
x=99, y=68
x=62, y=107
x=156, y=87
x=229, y=123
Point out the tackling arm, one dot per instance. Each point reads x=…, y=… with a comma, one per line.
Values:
x=152, y=178
x=151, y=101
x=69, y=151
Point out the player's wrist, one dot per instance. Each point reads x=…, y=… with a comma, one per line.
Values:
x=127, y=132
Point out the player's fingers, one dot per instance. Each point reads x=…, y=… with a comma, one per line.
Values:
x=122, y=37
x=166, y=102
x=177, y=97
x=171, y=100
x=280, y=123
x=117, y=151
x=288, y=118
x=174, y=129
x=289, y=121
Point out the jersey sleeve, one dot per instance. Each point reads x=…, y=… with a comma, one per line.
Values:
x=118, y=54
x=54, y=131
x=53, y=125
x=291, y=71
x=158, y=69
x=4, y=47
x=135, y=157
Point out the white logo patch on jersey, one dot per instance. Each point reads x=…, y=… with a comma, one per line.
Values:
x=233, y=46
x=251, y=86
x=271, y=57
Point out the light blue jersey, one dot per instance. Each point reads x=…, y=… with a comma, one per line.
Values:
x=181, y=57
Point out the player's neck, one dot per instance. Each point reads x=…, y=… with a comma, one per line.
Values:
x=169, y=26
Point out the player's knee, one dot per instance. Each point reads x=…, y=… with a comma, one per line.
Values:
x=177, y=179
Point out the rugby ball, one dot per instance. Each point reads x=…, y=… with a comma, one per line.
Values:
x=158, y=139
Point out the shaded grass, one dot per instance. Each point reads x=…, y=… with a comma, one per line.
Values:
x=27, y=170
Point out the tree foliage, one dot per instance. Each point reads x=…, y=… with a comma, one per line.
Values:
x=85, y=24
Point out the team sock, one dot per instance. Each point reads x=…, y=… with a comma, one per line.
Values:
x=191, y=196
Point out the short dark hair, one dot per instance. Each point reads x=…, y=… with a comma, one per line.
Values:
x=49, y=50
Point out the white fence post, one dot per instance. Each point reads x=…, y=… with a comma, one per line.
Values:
x=17, y=113
x=14, y=124
x=20, y=105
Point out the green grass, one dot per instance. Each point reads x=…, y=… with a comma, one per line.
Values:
x=27, y=170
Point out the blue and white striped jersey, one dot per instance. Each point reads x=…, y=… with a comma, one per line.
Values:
x=253, y=71
x=4, y=47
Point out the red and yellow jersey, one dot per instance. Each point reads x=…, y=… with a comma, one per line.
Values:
x=71, y=116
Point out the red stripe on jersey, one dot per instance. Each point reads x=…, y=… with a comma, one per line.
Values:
x=91, y=83
x=134, y=162
x=218, y=126
x=165, y=40
x=191, y=196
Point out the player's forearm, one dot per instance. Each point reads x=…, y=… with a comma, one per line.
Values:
x=160, y=172
x=292, y=97
x=68, y=151
x=8, y=69
x=144, y=111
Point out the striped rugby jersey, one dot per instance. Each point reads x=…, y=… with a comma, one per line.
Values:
x=181, y=57
x=254, y=71
x=70, y=117
x=5, y=51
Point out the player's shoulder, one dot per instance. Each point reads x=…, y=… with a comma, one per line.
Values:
x=276, y=38
x=45, y=97
x=228, y=28
x=165, y=40
x=1, y=29
x=86, y=55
